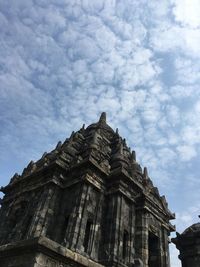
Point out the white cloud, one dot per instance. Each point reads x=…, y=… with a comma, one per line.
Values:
x=188, y=71
x=186, y=152
x=105, y=38
x=183, y=92
x=187, y=12
x=169, y=37
x=186, y=218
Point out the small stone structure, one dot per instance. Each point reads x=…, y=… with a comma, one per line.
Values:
x=188, y=244
x=86, y=203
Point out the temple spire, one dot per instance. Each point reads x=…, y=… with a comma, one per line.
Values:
x=102, y=118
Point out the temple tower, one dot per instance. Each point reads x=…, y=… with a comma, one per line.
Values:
x=188, y=243
x=86, y=203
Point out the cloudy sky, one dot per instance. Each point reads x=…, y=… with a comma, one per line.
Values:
x=63, y=62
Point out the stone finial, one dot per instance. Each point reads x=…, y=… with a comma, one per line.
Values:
x=102, y=118
x=59, y=144
x=30, y=165
x=30, y=168
x=133, y=155
x=71, y=136
x=16, y=176
x=163, y=198
x=177, y=234
x=44, y=155
x=1, y=189
x=145, y=173
x=156, y=190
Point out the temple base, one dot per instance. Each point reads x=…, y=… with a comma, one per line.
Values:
x=41, y=252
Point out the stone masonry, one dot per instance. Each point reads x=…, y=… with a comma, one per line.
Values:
x=188, y=244
x=86, y=203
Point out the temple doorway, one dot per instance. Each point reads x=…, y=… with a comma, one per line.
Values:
x=154, y=254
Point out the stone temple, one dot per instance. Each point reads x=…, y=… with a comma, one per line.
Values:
x=87, y=203
x=188, y=244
